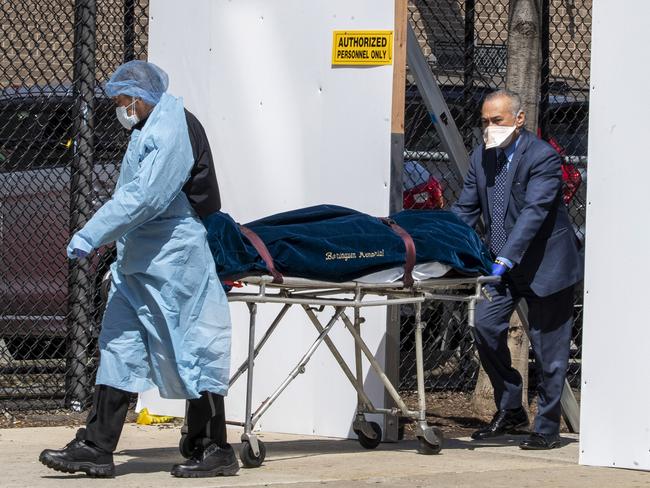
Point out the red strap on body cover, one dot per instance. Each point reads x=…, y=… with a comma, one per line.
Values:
x=409, y=264
x=261, y=248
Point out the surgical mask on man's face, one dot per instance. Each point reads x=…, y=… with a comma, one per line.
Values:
x=127, y=121
x=498, y=136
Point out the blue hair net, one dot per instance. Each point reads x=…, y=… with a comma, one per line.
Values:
x=138, y=79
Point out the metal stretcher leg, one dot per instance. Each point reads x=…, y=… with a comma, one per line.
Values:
x=252, y=451
x=357, y=351
x=364, y=401
x=244, y=366
x=300, y=367
x=369, y=433
x=361, y=346
x=392, y=391
x=430, y=439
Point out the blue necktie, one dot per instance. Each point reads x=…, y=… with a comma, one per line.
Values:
x=498, y=234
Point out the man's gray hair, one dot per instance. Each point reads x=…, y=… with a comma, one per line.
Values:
x=515, y=99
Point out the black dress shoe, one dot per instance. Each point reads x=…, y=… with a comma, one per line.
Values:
x=79, y=455
x=503, y=422
x=211, y=461
x=539, y=442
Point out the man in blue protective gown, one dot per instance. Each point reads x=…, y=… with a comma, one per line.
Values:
x=515, y=183
x=167, y=322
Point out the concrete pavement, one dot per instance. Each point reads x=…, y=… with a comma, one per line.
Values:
x=146, y=454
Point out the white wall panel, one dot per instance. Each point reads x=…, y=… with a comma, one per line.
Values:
x=287, y=130
x=615, y=417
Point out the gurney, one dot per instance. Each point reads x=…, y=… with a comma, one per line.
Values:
x=344, y=302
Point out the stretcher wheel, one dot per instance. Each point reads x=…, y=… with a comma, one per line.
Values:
x=247, y=456
x=367, y=442
x=425, y=447
x=185, y=447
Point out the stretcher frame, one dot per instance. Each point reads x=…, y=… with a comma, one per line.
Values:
x=309, y=294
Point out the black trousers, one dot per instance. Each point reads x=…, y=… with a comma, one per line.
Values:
x=205, y=418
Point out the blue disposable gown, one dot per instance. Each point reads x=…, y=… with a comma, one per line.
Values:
x=167, y=322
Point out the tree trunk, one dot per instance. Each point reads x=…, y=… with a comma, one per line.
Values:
x=522, y=77
x=524, y=56
x=483, y=397
x=482, y=403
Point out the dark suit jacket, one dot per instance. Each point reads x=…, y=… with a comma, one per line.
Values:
x=202, y=189
x=541, y=242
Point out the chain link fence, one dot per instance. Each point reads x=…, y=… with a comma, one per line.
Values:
x=465, y=43
x=60, y=147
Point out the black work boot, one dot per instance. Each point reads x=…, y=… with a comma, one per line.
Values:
x=211, y=461
x=79, y=455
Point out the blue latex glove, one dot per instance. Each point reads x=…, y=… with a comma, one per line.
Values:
x=79, y=247
x=498, y=269
x=79, y=254
x=501, y=266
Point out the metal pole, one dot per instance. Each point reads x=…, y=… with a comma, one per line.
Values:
x=451, y=140
x=469, y=65
x=79, y=281
x=129, y=30
x=396, y=199
x=248, y=424
x=545, y=71
x=357, y=357
x=392, y=363
x=419, y=360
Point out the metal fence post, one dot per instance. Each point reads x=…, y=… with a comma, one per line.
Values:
x=469, y=65
x=441, y=117
x=129, y=30
x=545, y=72
x=391, y=425
x=79, y=282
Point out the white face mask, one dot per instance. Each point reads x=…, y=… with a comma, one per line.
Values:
x=127, y=121
x=498, y=136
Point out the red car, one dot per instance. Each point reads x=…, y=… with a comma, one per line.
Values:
x=421, y=190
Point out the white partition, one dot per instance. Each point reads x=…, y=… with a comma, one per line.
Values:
x=287, y=130
x=615, y=418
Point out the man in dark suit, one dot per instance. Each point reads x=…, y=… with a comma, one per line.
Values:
x=514, y=183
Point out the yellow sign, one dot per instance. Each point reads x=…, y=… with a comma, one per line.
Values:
x=362, y=48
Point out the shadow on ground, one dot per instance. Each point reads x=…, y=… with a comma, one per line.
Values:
x=154, y=460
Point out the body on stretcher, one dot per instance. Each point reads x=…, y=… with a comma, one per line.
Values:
x=334, y=244
x=341, y=261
